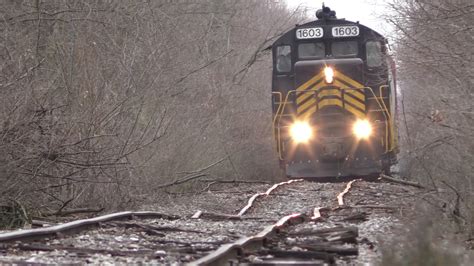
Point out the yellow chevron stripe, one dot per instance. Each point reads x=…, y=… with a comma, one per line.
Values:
x=318, y=79
x=301, y=96
x=356, y=112
x=330, y=102
x=339, y=93
x=353, y=83
x=311, y=81
x=329, y=92
x=354, y=102
x=355, y=93
x=306, y=105
x=306, y=115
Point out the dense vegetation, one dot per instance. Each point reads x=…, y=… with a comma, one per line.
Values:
x=434, y=48
x=103, y=102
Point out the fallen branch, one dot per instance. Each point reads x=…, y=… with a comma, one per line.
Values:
x=154, y=229
x=40, y=223
x=375, y=207
x=234, y=181
x=358, y=217
x=322, y=232
x=190, y=243
x=342, y=251
x=399, y=181
x=326, y=256
x=348, y=236
x=182, y=180
x=147, y=229
x=193, y=249
x=121, y=253
x=193, y=174
x=213, y=182
x=208, y=187
x=72, y=211
x=232, y=192
x=206, y=167
x=335, y=234
x=221, y=216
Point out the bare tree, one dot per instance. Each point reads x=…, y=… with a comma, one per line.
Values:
x=435, y=53
x=103, y=100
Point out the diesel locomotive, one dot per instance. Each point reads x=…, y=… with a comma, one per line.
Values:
x=334, y=99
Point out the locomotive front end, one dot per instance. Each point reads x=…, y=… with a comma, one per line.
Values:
x=333, y=100
x=332, y=133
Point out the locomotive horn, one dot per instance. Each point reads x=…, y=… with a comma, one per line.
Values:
x=325, y=13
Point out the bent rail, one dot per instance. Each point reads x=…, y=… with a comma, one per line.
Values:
x=79, y=225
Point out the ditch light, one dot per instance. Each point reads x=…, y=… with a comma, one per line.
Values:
x=362, y=129
x=301, y=132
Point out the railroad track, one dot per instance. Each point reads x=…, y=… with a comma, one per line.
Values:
x=291, y=222
x=274, y=245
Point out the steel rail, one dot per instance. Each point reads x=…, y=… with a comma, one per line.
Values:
x=79, y=225
x=232, y=250
x=317, y=213
x=340, y=197
x=266, y=193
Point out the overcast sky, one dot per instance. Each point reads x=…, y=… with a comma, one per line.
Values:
x=368, y=12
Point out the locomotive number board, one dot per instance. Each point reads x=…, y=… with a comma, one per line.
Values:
x=310, y=33
x=345, y=31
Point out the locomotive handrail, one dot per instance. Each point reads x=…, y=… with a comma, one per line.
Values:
x=280, y=95
x=384, y=109
x=278, y=117
x=277, y=121
x=282, y=106
x=392, y=121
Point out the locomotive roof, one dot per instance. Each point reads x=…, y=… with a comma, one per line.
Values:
x=289, y=35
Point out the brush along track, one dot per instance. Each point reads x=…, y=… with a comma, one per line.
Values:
x=184, y=240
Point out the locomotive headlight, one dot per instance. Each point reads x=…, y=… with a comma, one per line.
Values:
x=301, y=132
x=362, y=129
x=329, y=74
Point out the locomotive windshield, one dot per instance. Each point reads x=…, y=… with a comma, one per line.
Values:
x=348, y=48
x=283, y=58
x=311, y=50
x=374, y=54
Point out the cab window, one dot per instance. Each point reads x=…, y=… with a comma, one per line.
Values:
x=374, y=54
x=311, y=50
x=283, y=58
x=348, y=48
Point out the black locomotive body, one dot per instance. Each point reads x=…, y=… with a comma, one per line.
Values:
x=334, y=100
